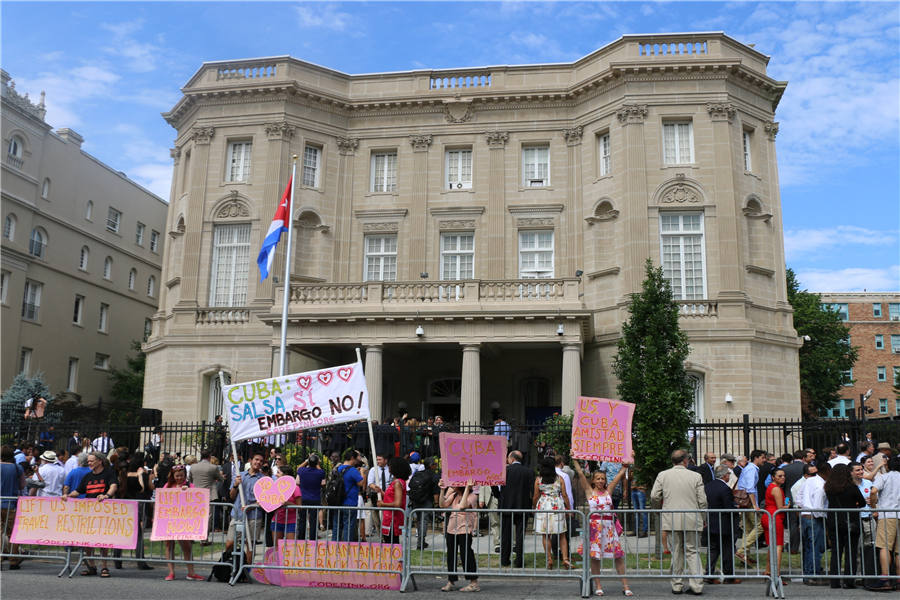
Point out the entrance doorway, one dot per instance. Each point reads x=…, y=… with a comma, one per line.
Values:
x=443, y=399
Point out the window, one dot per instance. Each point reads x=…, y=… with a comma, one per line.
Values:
x=896, y=373
x=83, y=258
x=876, y=310
x=384, y=171
x=103, y=325
x=79, y=309
x=139, y=234
x=847, y=378
x=459, y=169
x=238, y=161
x=107, y=268
x=683, y=254
x=842, y=310
x=678, y=143
x=154, y=241
x=9, y=227
x=231, y=256
x=747, y=159
x=101, y=361
x=151, y=286
x=882, y=373
x=457, y=256
x=535, y=254
x=842, y=409
x=895, y=344
x=25, y=360
x=894, y=311
x=113, y=220
x=879, y=341
x=311, y=160
x=31, y=300
x=882, y=406
x=15, y=151
x=72, y=377
x=603, y=151
x=148, y=328
x=381, y=258
x=45, y=189
x=4, y=285
x=89, y=210
x=37, y=244
x=132, y=275
x=536, y=166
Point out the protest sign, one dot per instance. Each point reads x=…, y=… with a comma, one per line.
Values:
x=350, y=565
x=271, y=493
x=295, y=402
x=91, y=523
x=601, y=430
x=481, y=458
x=180, y=514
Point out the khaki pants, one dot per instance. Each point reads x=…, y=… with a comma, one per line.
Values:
x=752, y=530
x=373, y=520
x=683, y=545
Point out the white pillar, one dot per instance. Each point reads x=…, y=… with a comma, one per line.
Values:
x=571, y=377
x=374, y=380
x=470, y=409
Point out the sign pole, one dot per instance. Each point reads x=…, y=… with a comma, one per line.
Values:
x=369, y=418
x=234, y=455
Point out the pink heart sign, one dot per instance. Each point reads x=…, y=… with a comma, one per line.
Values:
x=304, y=381
x=272, y=493
x=345, y=373
x=324, y=377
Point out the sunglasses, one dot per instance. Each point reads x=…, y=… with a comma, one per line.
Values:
x=178, y=468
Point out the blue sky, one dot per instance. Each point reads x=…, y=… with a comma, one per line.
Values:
x=110, y=68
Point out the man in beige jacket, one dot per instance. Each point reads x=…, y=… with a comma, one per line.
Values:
x=681, y=489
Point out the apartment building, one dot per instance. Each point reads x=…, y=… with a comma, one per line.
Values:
x=82, y=249
x=477, y=232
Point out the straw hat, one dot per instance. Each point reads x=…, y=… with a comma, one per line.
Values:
x=49, y=456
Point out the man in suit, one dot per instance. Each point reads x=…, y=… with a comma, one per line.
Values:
x=707, y=468
x=721, y=526
x=516, y=494
x=204, y=474
x=792, y=474
x=74, y=443
x=681, y=489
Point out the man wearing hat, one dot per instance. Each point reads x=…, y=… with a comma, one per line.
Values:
x=52, y=474
x=883, y=455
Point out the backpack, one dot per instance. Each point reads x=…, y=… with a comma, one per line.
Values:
x=334, y=487
x=420, y=487
x=222, y=570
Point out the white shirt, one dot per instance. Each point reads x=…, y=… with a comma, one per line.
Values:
x=54, y=475
x=71, y=464
x=374, y=477
x=839, y=460
x=888, y=486
x=103, y=444
x=568, y=481
x=814, y=496
x=797, y=500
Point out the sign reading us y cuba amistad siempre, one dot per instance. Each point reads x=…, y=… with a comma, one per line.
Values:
x=601, y=430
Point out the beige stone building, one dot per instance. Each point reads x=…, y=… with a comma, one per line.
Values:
x=81, y=254
x=477, y=232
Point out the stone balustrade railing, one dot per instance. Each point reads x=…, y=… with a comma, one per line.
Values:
x=460, y=80
x=222, y=316
x=246, y=71
x=698, y=308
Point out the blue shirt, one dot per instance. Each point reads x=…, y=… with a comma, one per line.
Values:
x=74, y=478
x=749, y=478
x=9, y=483
x=352, y=477
x=247, y=482
x=612, y=469
x=311, y=483
x=502, y=428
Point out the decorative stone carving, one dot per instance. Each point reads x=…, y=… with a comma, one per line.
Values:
x=420, y=143
x=771, y=130
x=632, y=114
x=573, y=136
x=175, y=154
x=458, y=112
x=603, y=212
x=721, y=111
x=202, y=135
x=347, y=145
x=384, y=227
x=680, y=194
x=279, y=131
x=535, y=222
x=497, y=139
x=460, y=224
x=233, y=209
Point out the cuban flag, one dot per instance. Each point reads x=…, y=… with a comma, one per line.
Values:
x=279, y=223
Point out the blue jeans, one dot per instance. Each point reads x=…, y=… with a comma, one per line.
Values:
x=812, y=532
x=639, y=502
x=344, y=528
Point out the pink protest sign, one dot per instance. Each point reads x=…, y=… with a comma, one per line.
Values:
x=351, y=565
x=272, y=493
x=180, y=514
x=91, y=523
x=481, y=458
x=601, y=430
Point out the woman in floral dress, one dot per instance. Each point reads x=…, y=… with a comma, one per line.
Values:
x=604, y=538
x=550, y=495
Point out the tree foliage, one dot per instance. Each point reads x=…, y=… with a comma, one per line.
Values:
x=826, y=355
x=128, y=388
x=650, y=368
x=23, y=387
x=557, y=434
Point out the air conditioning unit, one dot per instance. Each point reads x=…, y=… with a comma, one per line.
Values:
x=895, y=318
x=541, y=183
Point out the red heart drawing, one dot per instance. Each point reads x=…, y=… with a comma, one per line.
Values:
x=304, y=382
x=324, y=377
x=345, y=373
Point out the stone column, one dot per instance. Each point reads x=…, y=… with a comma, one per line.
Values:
x=418, y=261
x=634, y=213
x=167, y=237
x=573, y=223
x=771, y=129
x=496, y=210
x=470, y=408
x=729, y=251
x=343, y=230
x=193, y=227
x=571, y=376
x=374, y=379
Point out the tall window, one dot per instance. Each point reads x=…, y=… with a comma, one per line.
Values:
x=107, y=268
x=683, y=256
x=231, y=256
x=894, y=311
x=895, y=344
x=132, y=276
x=747, y=155
x=154, y=241
x=678, y=143
x=4, y=285
x=459, y=169
x=238, y=161
x=536, y=166
x=879, y=341
x=79, y=310
x=535, y=254
x=381, y=258
x=151, y=286
x=72, y=377
x=881, y=373
x=457, y=256
x=31, y=300
x=89, y=210
x=311, y=160
x=16, y=147
x=25, y=360
x=45, y=189
x=841, y=309
x=113, y=220
x=38, y=243
x=83, y=258
x=103, y=324
x=384, y=171
x=9, y=227
x=603, y=151
x=847, y=378
x=882, y=406
x=148, y=328
x=139, y=234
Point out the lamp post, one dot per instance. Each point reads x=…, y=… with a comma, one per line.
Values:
x=864, y=410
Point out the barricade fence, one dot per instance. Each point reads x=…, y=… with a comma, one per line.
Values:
x=689, y=548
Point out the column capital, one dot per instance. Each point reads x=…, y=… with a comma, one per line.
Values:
x=573, y=136
x=496, y=140
x=374, y=347
x=347, y=145
x=721, y=111
x=771, y=130
x=471, y=347
x=420, y=143
x=279, y=131
x=569, y=346
x=202, y=135
x=175, y=154
x=632, y=114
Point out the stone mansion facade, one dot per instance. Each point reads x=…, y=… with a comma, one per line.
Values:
x=477, y=232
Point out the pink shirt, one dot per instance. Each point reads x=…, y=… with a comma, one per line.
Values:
x=283, y=515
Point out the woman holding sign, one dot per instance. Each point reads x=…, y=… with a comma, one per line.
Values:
x=604, y=525
x=458, y=532
x=550, y=496
x=178, y=479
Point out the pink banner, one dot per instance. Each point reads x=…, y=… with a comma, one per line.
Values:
x=601, y=430
x=481, y=458
x=91, y=523
x=180, y=514
x=368, y=566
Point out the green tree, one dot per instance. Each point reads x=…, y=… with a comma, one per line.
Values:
x=650, y=367
x=23, y=387
x=826, y=353
x=128, y=388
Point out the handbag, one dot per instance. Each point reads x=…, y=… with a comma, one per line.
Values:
x=619, y=528
x=741, y=498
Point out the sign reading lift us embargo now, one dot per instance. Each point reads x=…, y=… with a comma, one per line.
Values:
x=295, y=402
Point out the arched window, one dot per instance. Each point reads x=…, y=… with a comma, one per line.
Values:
x=9, y=227
x=16, y=147
x=107, y=268
x=45, y=189
x=151, y=285
x=132, y=276
x=89, y=210
x=38, y=243
x=83, y=258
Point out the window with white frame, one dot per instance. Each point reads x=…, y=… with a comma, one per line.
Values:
x=458, y=168
x=882, y=406
x=683, y=254
x=72, y=376
x=847, y=378
x=380, y=258
x=154, y=241
x=45, y=189
x=748, y=140
x=312, y=159
x=4, y=285
x=103, y=324
x=78, y=312
x=894, y=311
x=132, y=276
x=881, y=373
x=536, y=165
x=89, y=210
x=107, y=268
x=842, y=309
x=31, y=300
x=113, y=220
x=876, y=310
x=9, y=227
x=151, y=286
x=139, y=234
x=536, y=254
x=148, y=328
x=384, y=172
x=238, y=161
x=678, y=143
x=879, y=341
x=230, y=265
x=16, y=148
x=457, y=256
x=101, y=361
x=605, y=154
x=895, y=344
x=25, y=360
x=37, y=244
x=83, y=258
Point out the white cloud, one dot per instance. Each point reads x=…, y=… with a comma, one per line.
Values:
x=850, y=279
x=156, y=177
x=323, y=15
x=139, y=56
x=68, y=90
x=801, y=242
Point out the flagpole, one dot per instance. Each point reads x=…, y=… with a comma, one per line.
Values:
x=287, y=271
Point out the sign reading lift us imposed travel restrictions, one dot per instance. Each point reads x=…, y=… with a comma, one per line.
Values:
x=601, y=430
x=295, y=402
